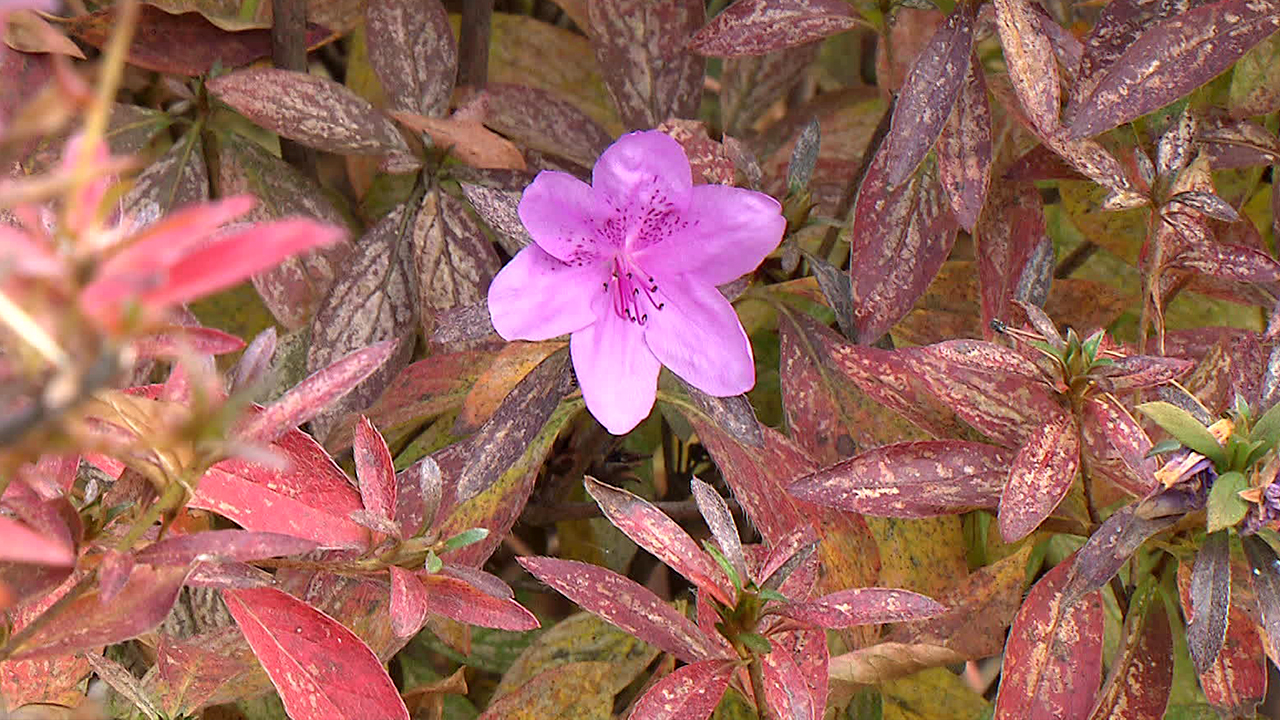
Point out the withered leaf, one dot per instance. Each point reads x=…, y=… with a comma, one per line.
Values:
x=1032, y=69
x=469, y=140
x=641, y=49
x=900, y=238
x=1109, y=548
x=1266, y=585
x=314, y=111
x=178, y=178
x=929, y=93
x=373, y=299
x=412, y=49
x=293, y=289
x=756, y=27
x=453, y=260
x=1170, y=60
x=964, y=149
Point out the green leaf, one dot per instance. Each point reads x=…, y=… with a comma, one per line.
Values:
x=1091, y=347
x=1179, y=423
x=769, y=594
x=1267, y=428
x=465, y=538
x=756, y=643
x=1162, y=447
x=1226, y=508
x=434, y=563
x=723, y=563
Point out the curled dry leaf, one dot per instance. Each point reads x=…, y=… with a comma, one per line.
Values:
x=469, y=140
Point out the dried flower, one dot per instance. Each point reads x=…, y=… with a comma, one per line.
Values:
x=629, y=265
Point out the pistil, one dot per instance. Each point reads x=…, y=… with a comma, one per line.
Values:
x=634, y=292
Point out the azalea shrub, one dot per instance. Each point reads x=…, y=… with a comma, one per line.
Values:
x=790, y=359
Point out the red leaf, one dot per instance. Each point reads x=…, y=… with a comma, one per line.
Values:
x=756, y=27
x=409, y=602
x=172, y=343
x=310, y=109
x=87, y=622
x=652, y=530
x=321, y=669
x=312, y=395
x=412, y=49
x=786, y=691
x=239, y=545
x=1041, y=475
x=1053, y=659
x=1007, y=408
x=626, y=604
x=1237, y=680
x=690, y=693
x=912, y=480
x=1170, y=60
x=19, y=543
x=375, y=470
x=458, y=600
x=1032, y=68
x=928, y=94
x=640, y=47
x=964, y=149
x=1007, y=234
x=542, y=121
x=310, y=499
x=55, y=679
x=1115, y=446
x=1142, y=675
x=863, y=606
x=901, y=237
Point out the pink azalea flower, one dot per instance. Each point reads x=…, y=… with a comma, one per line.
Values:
x=629, y=265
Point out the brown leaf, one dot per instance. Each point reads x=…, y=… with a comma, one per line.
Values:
x=186, y=43
x=543, y=121
x=498, y=208
x=756, y=27
x=900, y=238
x=964, y=149
x=469, y=140
x=412, y=49
x=27, y=32
x=1032, y=70
x=929, y=93
x=512, y=363
x=310, y=109
x=1171, y=59
x=641, y=49
x=374, y=299
x=453, y=260
x=178, y=178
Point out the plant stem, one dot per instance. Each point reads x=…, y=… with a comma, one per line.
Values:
x=756, y=671
x=289, y=52
x=473, y=48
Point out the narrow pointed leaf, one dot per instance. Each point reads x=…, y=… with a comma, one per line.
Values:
x=786, y=691
x=964, y=149
x=1210, y=600
x=1266, y=585
x=239, y=545
x=863, y=606
x=756, y=27
x=1032, y=68
x=626, y=604
x=408, y=607
x=1115, y=446
x=716, y=513
x=1109, y=548
x=1042, y=473
x=1184, y=428
x=1142, y=675
x=375, y=470
x=652, y=530
x=690, y=693
x=930, y=91
x=320, y=668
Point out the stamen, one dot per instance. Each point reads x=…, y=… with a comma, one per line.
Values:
x=630, y=296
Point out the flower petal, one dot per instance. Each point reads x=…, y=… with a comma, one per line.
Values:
x=537, y=297
x=618, y=374
x=698, y=336
x=725, y=233
x=560, y=212
x=643, y=169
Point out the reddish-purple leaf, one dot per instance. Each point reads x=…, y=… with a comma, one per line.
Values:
x=412, y=49
x=239, y=545
x=863, y=606
x=140, y=605
x=689, y=693
x=1210, y=596
x=749, y=85
x=1138, y=372
x=304, y=400
x=223, y=574
x=641, y=48
x=458, y=600
x=1053, y=659
x=626, y=604
x=1008, y=232
x=901, y=236
x=756, y=27
x=179, y=339
x=200, y=670
x=183, y=43
x=54, y=679
x=375, y=470
x=408, y=602
x=986, y=357
x=484, y=582
x=786, y=690
x=1109, y=548
x=1041, y=475
x=720, y=521
x=964, y=149
x=540, y=120
x=321, y=669
x=310, y=109
x=19, y=543
x=310, y=498
x=1115, y=446
x=1237, y=680
x=1007, y=408
x=1032, y=69
x=652, y=530
x=912, y=480
x=929, y=92
x=1266, y=585
x=1142, y=675
x=1170, y=60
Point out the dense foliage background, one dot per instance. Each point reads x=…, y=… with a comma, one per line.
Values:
x=1011, y=451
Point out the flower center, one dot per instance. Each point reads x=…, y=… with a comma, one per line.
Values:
x=634, y=292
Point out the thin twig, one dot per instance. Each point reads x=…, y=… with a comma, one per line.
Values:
x=473, y=47
x=289, y=52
